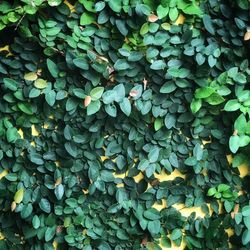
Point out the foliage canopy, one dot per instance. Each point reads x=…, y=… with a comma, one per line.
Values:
x=99, y=98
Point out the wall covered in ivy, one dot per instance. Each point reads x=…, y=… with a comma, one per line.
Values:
x=124, y=124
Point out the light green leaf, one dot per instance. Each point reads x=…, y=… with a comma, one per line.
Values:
x=93, y=107
x=125, y=106
x=87, y=18
x=19, y=195
x=96, y=93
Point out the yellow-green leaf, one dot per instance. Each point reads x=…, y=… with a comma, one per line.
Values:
x=40, y=83
x=31, y=76
x=19, y=195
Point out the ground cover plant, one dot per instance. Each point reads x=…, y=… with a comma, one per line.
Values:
x=99, y=99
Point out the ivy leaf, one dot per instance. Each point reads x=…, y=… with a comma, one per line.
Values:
x=153, y=154
x=234, y=143
x=96, y=93
x=208, y=24
x=168, y=88
x=176, y=234
x=36, y=222
x=121, y=64
x=152, y=214
x=40, y=83
x=93, y=107
x=158, y=65
x=87, y=18
x=19, y=195
x=154, y=227
x=50, y=97
x=195, y=105
x=52, y=67
x=49, y=233
x=125, y=106
x=246, y=237
x=59, y=191
x=215, y=99
x=81, y=63
x=204, y=92
x=10, y=84
x=246, y=210
x=45, y=206
x=232, y=105
x=158, y=124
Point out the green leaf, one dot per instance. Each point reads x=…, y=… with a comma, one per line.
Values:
x=195, y=105
x=115, y=5
x=36, y=158
x=96, y=93
x=59, y=191
x=212, y=61
x=246, y=210
x=204, y=92
x=158, y=123
x=152, y=214
x=232, y=105
x=154, y=227
x=168, y=88
x=12, y=135
x=26, y=108
x=246, y=237
x=180, y=73
x=50, y=233
x=40, y=83
x=238, y=218
x=121, y=64
x=10, y=84
x=158, y=65
x=44, y=204
x=50, y=97
x=71, y=149
x=93, y=107
x=153, y=154
x=223, y=187
x=193, y=9
x=87, y=18
x=54, y=2
x=125, y=106
x=36, y=222
x=144, y=29
x=111, y=109
x=234, y=143
x=34, y=93
x=162, y=11
x=52, y=67
x=246, y=220
x=176, y=234
x=19, y=195
x=169, y=121
x=26, y=211
x=211, y=191
x=173, y=13
x=215, y=99
x=208, y=24
x=81, y=63
x=121, y=26
x=190, y=161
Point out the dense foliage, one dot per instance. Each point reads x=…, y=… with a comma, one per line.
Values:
x=100, y=98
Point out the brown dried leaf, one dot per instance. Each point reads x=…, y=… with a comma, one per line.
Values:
x=13, y=206
x=152, y=18
x=87, y=101
x=133, y=93
x=247, y=36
